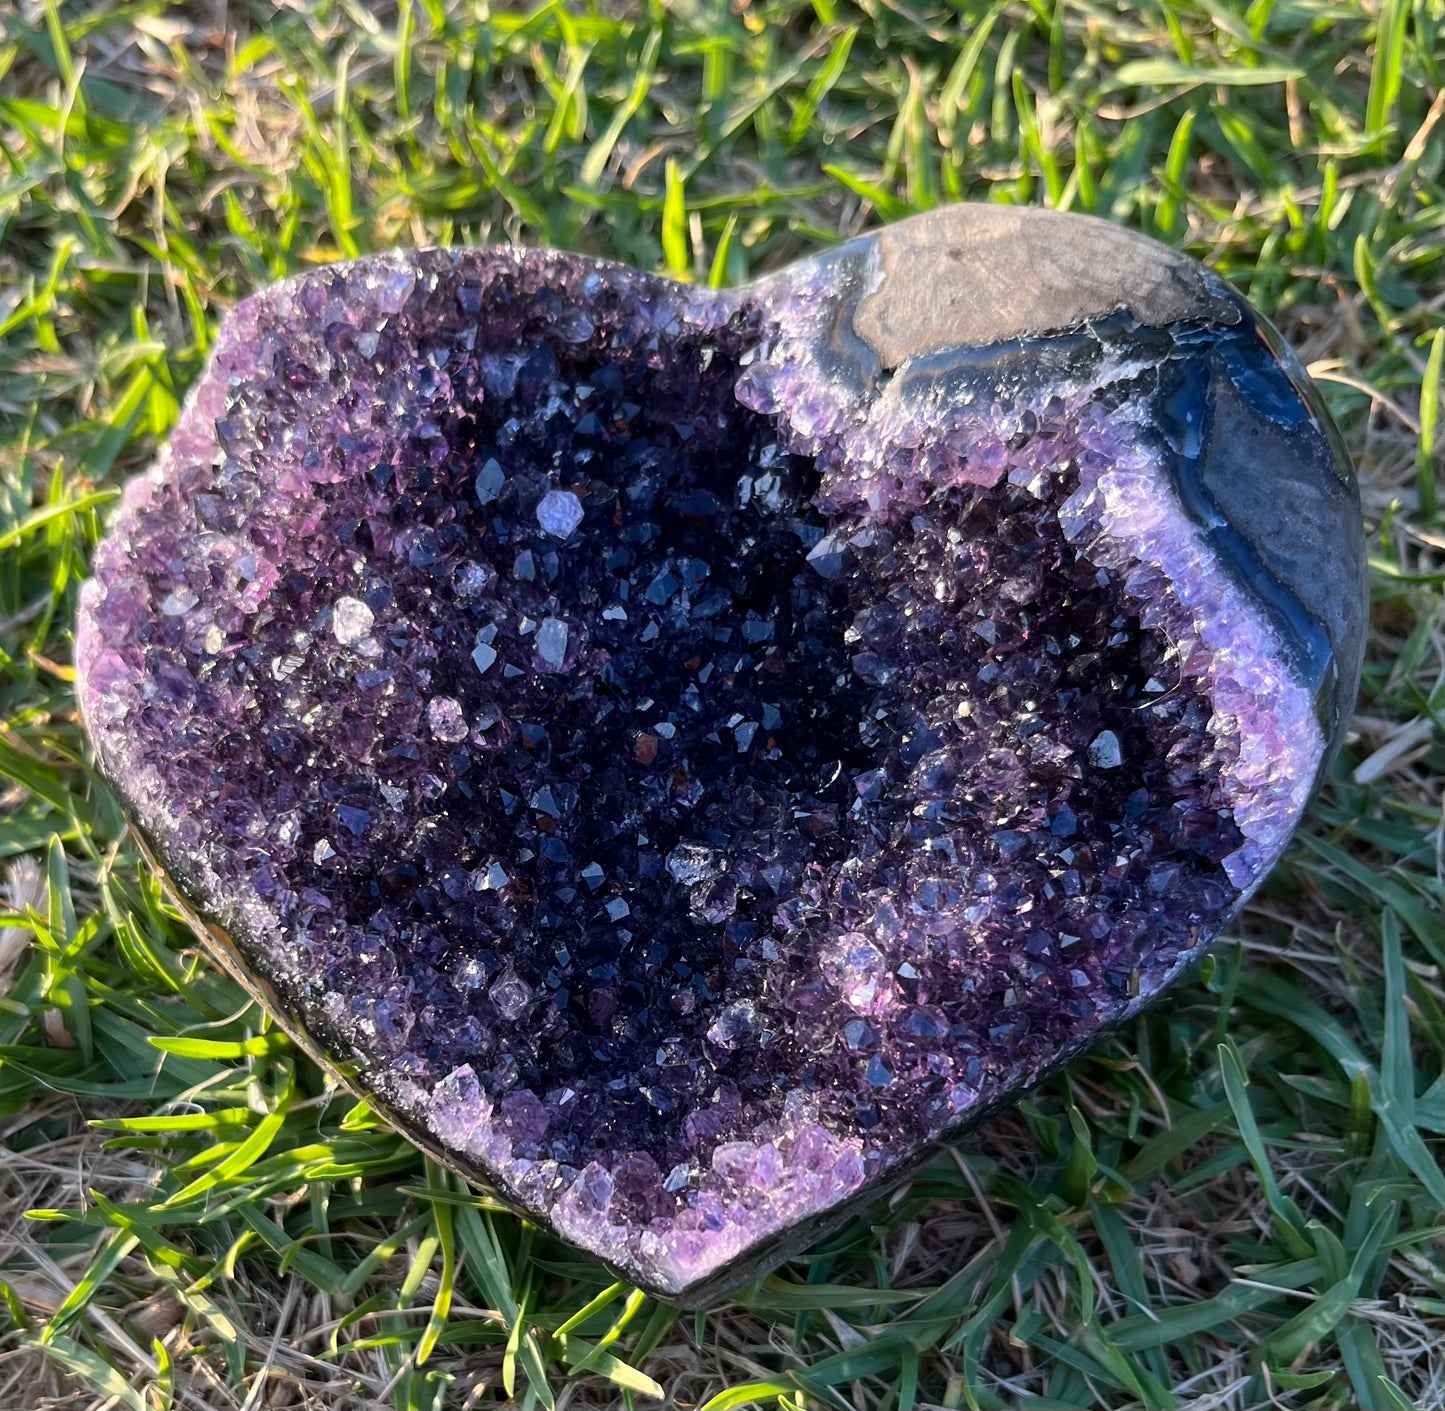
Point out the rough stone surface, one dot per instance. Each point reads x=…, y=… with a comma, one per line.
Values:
x=1044, y=270
x=687, y=751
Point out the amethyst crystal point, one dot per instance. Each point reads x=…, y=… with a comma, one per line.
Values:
x=684, y=752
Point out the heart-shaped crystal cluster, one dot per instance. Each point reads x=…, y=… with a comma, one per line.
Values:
x=684, y=752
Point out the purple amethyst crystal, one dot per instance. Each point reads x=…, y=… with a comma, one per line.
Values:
x=685, y=752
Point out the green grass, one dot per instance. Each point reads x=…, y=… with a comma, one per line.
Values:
x=1235, y=1204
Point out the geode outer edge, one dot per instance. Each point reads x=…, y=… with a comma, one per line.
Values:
x=682, y=753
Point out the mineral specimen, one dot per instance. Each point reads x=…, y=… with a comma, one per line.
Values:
x=684, y=752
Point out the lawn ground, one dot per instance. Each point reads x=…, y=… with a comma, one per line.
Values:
x=1234, y=1204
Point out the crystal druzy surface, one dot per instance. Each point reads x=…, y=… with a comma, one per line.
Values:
x=684, y=752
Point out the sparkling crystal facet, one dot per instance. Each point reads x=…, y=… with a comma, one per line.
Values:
x=687, y=751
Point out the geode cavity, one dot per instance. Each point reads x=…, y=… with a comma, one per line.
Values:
x=683, y=752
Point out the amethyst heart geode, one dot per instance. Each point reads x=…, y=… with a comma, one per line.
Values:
x=682, y=752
